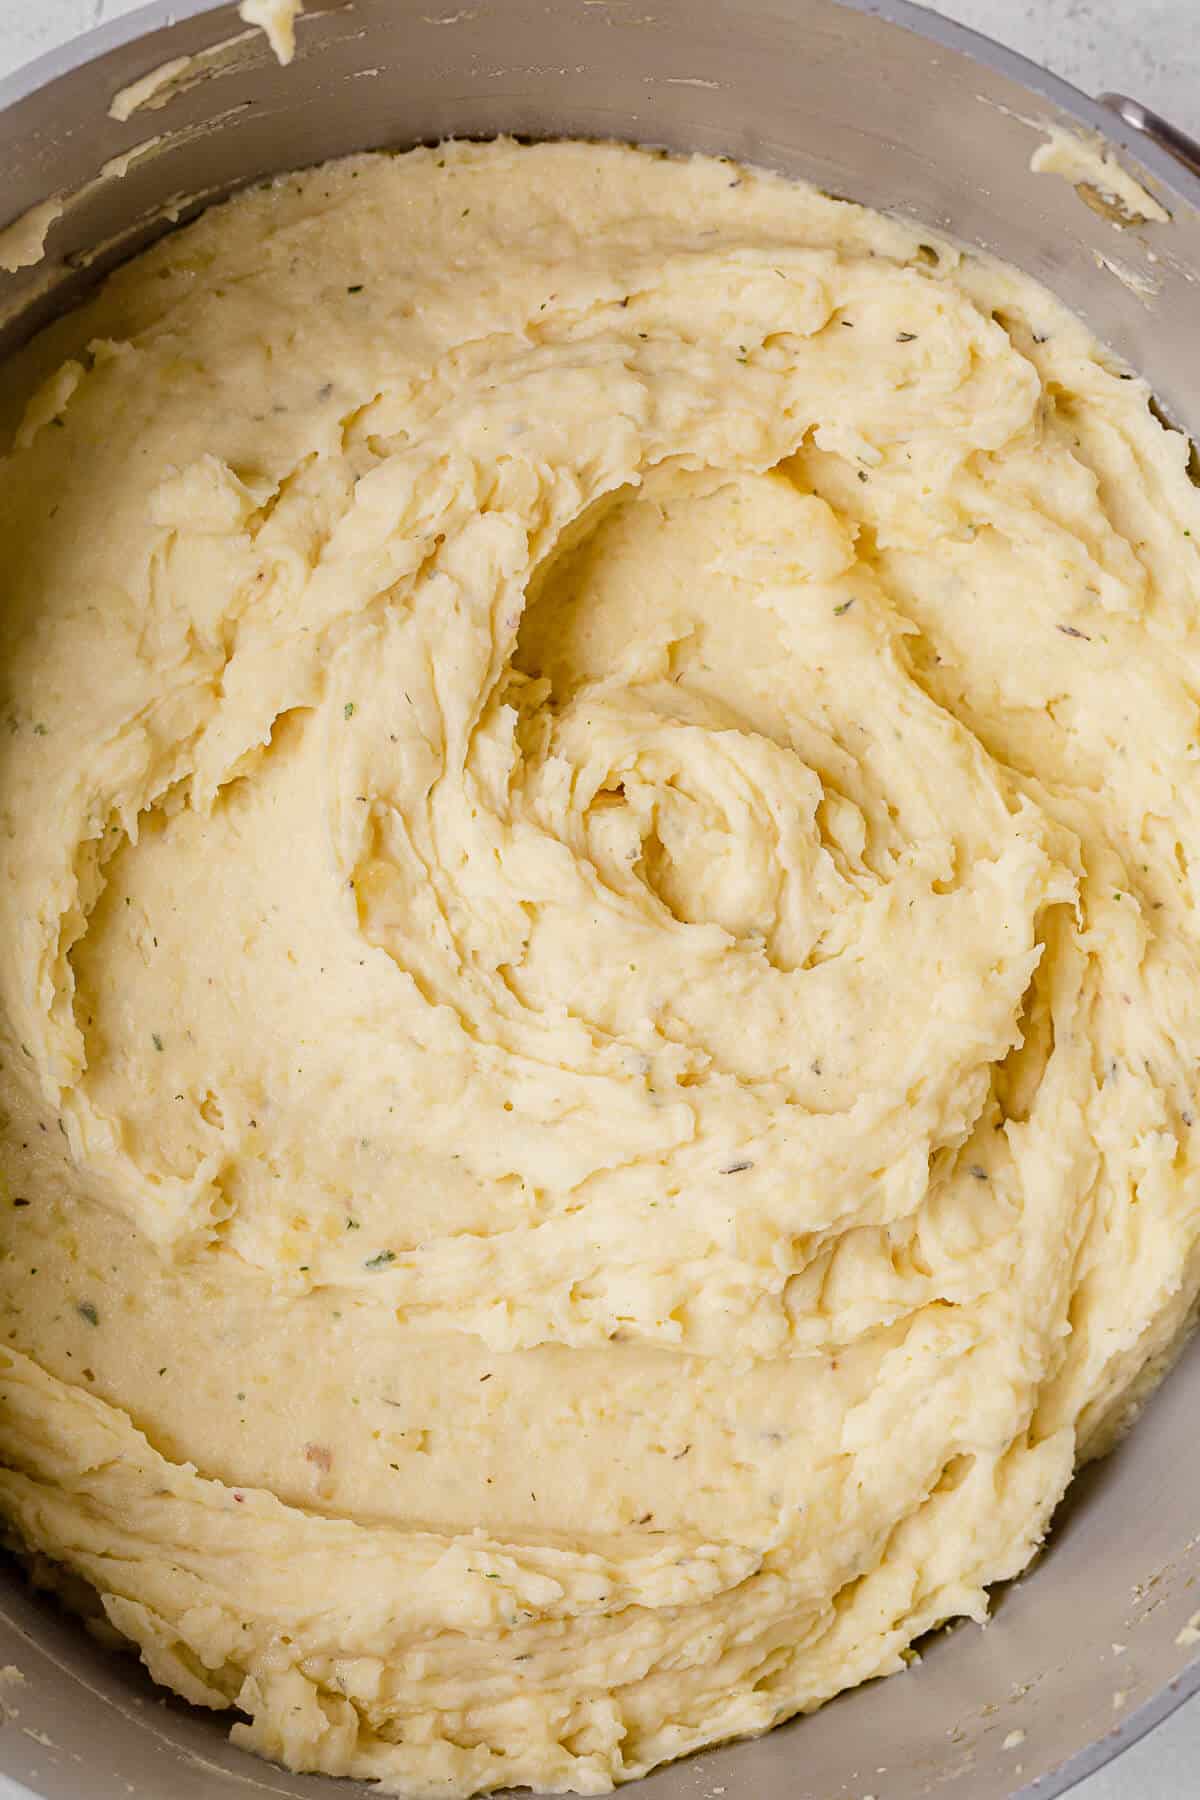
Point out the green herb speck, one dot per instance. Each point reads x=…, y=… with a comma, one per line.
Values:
x=87, y=1311
x=380, y=1260
x=356, y=289
x=843, y=608
x=348, y=710
x=156, y=1040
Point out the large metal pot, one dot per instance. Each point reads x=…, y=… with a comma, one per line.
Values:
x=870, y=98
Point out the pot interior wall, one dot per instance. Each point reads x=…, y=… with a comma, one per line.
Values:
x=868, y=108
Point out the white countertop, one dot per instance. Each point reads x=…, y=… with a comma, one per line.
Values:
x=1147, y=48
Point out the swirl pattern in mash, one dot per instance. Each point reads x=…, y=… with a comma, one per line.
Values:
x=598, y=955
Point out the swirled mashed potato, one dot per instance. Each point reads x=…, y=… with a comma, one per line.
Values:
x=598, y=951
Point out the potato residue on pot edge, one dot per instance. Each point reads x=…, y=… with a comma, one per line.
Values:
x=597, y=948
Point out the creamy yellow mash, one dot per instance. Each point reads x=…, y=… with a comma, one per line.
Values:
x=598, y=951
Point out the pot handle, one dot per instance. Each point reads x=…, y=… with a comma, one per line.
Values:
x=1160, y=131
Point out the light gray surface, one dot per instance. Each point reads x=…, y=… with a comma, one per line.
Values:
x=1145, y=47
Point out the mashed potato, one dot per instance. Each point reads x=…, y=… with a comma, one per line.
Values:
x=598, y=951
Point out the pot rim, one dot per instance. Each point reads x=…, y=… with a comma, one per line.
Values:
x=944, y=33
x=935, y=28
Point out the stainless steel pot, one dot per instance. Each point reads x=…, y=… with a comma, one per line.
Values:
x=870, y=98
